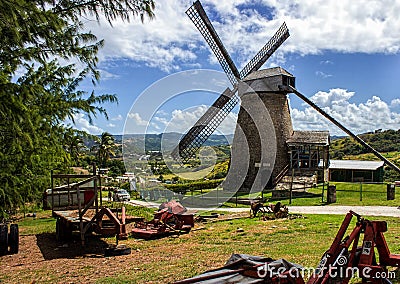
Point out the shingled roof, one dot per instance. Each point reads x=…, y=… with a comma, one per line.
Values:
x=309, y=137
x=275, y=71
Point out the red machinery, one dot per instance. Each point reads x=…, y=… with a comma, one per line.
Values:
x=345, y=257
x=171, y=218
x=343, y=260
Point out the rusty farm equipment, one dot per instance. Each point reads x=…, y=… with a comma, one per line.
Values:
x=77, y=207
x=170, y=219
x=277, y=210
x=356, y=254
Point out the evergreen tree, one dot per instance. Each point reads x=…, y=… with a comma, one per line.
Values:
x=38, y=90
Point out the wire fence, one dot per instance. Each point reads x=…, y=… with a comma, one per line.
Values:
x=342, y=193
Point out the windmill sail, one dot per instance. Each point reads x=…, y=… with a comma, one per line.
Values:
x=206, y=125
x=210, y=121
x=268, y=49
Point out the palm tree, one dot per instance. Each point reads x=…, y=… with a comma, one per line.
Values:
x=104, y=148
x=73, y=144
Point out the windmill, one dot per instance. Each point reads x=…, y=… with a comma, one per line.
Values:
x=212, y=118
x=264, y=117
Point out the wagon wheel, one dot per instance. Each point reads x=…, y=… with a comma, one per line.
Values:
x=59, y=230
x=13, y=239
x=3, y=239
x=257, y=207
x=117, y=250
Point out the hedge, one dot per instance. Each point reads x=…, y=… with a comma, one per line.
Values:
x=194, y=186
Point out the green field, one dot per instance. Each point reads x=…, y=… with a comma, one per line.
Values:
x=348, y=194
x=301, y=240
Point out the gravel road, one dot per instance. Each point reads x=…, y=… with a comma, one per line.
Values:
x=329, y=209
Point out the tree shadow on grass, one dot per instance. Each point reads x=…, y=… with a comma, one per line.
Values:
x=53, y=249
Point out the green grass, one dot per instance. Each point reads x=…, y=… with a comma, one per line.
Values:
x=39, y=225
x=301, y=240
x=393, y=156
x=137, y=211
x=348, y=194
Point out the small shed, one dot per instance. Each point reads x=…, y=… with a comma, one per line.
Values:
x=356, y=171
x=307, y=148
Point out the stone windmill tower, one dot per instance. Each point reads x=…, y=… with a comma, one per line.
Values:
x=265, y=146
x=264, y=125
x=264, y=81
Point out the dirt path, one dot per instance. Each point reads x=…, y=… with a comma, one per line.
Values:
x=328, y=209
x=41, y=259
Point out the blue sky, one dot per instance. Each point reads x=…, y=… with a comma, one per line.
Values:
x=345, y=57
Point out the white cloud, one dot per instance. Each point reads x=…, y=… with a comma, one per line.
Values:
x=182, y=120
x=359, y=118
x=334, y=97
x=172, y=40
x=82, y=123
x=160, y=43
x=137, y=119
x=105, y=75
x=322, y=74
x=117, y=118
x=161, y=112
x=326, y=62
x=112, y=125
x=395, y=103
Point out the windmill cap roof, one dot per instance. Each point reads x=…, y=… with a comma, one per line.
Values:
x=309, y=137
x=270, y=72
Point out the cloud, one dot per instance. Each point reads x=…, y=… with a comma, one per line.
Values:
x=333, y=97
x=82, y=123
x=182, y=120
x=105, y=75
x=359, y=118
x=395, y=103
x=171, y=40
x=137, y=119
x=161, y=112
x=112, y=125
x=326, y=62
x=161, y=43
x=322, y=74
x=117, y=118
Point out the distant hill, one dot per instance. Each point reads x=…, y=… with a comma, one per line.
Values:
x=168, y=141
x=383, y=141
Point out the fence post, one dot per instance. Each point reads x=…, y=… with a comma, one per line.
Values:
x=217, y=197
x=323, y=189
x=291, y=187
x=236, y=197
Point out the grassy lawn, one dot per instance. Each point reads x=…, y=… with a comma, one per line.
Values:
x=301, y=240
x=348, y=194
x=43, y=223
x=352, y=194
